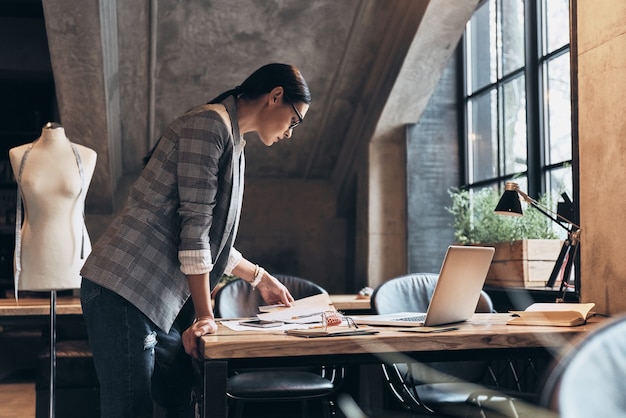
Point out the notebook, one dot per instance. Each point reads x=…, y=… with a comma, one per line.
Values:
x=461, y=278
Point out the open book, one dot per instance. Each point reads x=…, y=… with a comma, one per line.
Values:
x=554, y=314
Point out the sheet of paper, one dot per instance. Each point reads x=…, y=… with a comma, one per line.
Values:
x=303, y=311
x=331, y=332
x=235, y=326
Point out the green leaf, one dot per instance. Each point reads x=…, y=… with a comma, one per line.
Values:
x=475, y=220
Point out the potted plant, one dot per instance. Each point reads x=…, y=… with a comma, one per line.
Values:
x=226, y=278
x=526, y=246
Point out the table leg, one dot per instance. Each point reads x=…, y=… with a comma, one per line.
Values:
x=214, y=400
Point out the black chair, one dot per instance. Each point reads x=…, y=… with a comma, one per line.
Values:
x=237, y=299
x=588, y=380
x=438, y=387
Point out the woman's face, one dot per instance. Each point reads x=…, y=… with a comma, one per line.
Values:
x=280, y=117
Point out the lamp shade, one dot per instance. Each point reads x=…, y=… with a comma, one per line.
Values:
x=509, y=204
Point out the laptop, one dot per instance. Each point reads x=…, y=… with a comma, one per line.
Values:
x=461, y=278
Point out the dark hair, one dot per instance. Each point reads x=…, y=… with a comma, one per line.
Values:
x=263, y=80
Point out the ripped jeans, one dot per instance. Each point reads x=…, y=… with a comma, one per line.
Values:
x=136, y=362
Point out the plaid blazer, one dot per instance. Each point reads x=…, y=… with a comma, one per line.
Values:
x=188, y=197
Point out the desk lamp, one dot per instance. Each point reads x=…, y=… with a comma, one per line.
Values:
x=510, y=204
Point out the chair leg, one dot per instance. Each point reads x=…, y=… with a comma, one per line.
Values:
x=304, y=412
x=329, y=408
x=238, y=409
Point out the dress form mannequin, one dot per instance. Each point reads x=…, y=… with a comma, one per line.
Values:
x=53, y=233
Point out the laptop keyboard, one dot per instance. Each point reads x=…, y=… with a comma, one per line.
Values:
x=416, y=318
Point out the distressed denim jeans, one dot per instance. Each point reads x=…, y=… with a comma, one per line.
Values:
x=136, y=362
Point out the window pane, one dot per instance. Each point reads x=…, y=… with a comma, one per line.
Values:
x=514, y=126
x=558, y=106
x=481, y=47
x=482, y=144
x=556, y=24
x=559, y=181
x=512, y=32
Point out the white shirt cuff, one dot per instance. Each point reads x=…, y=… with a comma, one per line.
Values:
x=233, y=259
x=195, y=261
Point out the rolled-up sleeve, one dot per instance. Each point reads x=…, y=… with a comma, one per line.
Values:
x=195, y=261
x=199, y=262
x=234, y=257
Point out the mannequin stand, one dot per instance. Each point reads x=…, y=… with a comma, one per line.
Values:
x=53, y=340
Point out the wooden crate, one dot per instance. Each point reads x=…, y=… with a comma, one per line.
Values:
x=525, y=263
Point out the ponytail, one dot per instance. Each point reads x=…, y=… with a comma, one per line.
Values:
x=263, y=80
x=236, y=92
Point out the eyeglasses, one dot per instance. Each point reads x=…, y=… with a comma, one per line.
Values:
x=300, y=118
x=333, y=318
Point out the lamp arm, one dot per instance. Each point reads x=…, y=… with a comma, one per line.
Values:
x=554, y=217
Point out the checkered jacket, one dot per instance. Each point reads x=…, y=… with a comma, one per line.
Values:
x=188, y=197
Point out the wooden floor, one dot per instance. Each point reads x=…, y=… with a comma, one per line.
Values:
x=18, y=357
x=17, y=400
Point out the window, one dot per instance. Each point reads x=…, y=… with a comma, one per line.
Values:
x=517, y=96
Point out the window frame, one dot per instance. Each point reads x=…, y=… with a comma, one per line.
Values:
x=537, y=168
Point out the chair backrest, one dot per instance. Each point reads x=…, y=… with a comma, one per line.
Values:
x=588, y=379
x=412, y=293
x=237, y=299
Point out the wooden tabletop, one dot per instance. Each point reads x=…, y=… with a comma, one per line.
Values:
x=483, y=331
x=70, y=305
x=350, y=303
x=65, y=305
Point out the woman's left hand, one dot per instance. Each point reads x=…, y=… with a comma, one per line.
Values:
x=273, y=291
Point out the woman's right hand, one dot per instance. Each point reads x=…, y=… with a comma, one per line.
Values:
x=191, y=336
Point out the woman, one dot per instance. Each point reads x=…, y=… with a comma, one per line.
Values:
x=174, y=239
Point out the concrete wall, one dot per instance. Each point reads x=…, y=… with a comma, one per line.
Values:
x=433, y=166
x=602, y=149
x=292, y=227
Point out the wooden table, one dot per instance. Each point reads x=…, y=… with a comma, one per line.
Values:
x=350, y=303
x=29, y=310
x=70, y=305
x=65, y=305
x=486, y=336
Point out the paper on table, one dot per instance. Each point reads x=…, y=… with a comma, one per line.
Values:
x=235, y=326
x=302, y=311
x=331, y=332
